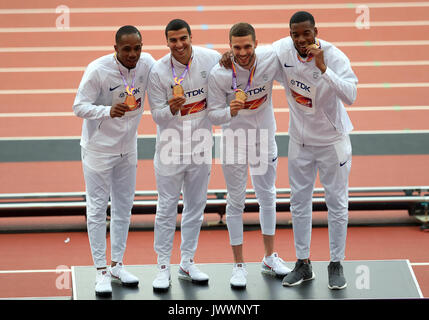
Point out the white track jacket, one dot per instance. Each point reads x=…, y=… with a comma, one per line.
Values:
x=258, y=111
x=102, y=87
x=317, y=114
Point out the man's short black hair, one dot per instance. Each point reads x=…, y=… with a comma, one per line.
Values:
x=302, y=16
x=126, y=30
x=242, y=29
x=175, y=25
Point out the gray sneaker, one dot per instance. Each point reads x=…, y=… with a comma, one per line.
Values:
x=302, y=272
x=336, y=276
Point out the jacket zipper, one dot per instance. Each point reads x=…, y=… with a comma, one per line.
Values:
x=324, y=113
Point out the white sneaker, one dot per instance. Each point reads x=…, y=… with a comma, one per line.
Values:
x=103, y=287
x=118, y=272
x=163, y=279
x=189, y=271
x=274, y=266
x=239, y=273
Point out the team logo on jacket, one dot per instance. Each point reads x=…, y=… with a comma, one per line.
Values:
x=304, y=95
x=255, y=104
x=193, y=107
x=300, y=99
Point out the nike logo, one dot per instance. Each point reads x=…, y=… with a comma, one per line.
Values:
x=275, y=159
x=288, y=66
x=111, y=89
x=342, y=163
x=187, y=272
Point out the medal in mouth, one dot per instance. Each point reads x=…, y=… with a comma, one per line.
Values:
x=309, y=57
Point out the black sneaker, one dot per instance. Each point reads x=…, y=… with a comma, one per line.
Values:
x=302, y=272
x=336, y=276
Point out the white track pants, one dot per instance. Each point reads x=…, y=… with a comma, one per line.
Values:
x=263, y=182
x=193, y=180
x=334, y=164
x=115, y=177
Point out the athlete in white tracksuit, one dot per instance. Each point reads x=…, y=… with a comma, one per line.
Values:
x=109, y=149
x=319, y=140
x=182, y=158
x=257, y=150
x=248, y=142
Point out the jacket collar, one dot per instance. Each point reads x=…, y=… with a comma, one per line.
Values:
x=179, y=64
x=123, y=69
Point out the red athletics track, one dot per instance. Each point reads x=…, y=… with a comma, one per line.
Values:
x=406, y=110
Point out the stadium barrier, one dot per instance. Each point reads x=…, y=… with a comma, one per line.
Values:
x=414, y=199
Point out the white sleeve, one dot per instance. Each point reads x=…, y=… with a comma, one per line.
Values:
x=87, y=93
x=158, y=100
x=280, y=76
x=341, y=78
x=150, y=62
x=218, y=109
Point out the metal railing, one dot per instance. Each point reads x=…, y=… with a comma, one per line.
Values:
x=415, y=199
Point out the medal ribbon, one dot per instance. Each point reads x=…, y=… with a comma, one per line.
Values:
x=182, y=77
x=127, y=87
x=249, y=81
x=310, y=57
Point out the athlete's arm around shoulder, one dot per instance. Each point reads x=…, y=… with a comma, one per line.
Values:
x=218, y=109
x=210, y=56
x=282, y=49
x=339, y=74
x=89, y=91
x=268, y=54
x=147, y=62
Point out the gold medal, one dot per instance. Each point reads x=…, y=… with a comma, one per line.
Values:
x=240, y=95
x=313, y=46
x=178, y=91
x=130, y=101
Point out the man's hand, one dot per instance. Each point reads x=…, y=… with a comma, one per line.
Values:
x=235, y=106
x=225, y=61
x=176, y=103
x=118, y=110
x=317, y=53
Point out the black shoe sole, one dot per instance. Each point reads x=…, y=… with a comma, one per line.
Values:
x=103, y=294
x=161, y=290
x=130, y=284
x=238, y=287
x=200, y=283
